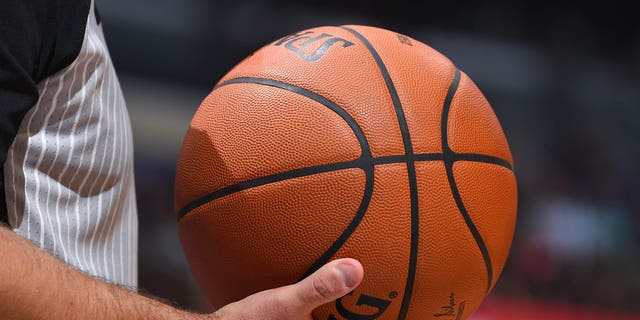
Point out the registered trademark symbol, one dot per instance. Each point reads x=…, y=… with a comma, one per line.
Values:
x=393, y=294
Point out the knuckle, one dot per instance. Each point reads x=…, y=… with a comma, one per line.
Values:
x=322, y=288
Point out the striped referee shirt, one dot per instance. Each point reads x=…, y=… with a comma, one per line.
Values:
x=65, y=139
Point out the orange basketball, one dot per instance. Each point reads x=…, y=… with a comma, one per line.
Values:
x=349, y=141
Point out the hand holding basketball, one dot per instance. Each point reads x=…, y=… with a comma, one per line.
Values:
x=296, y=301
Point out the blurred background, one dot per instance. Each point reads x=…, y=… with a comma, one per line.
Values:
x=562, y=80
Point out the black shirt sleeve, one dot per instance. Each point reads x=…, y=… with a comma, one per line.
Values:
x=37, y=39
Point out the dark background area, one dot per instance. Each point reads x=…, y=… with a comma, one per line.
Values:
x=563, y=81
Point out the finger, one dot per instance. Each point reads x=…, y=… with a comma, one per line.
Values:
x=297, y=301
x=327, y=284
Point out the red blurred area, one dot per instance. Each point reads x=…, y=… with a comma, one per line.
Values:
x=502, y=308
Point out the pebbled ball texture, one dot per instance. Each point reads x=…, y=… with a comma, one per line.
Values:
x=349, y=141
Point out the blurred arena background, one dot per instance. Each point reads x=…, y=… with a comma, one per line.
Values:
x=563, y=82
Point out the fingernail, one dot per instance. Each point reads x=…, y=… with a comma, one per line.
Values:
x=349, y=274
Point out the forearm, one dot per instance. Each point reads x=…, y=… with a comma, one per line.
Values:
x=35, y=285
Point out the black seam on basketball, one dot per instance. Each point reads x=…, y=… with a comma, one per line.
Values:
x=407, y=158
x=364, y=144
x=449, y=158
x=353, y=225
x=397, y=105
x=291, y=174
x=297, y=173
x=474, y=157
x=411, y=171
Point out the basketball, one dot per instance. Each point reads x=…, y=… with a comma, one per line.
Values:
x=350, y=141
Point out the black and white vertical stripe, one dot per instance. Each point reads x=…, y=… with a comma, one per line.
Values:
x=69, y=186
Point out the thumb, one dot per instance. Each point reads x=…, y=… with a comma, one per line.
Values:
x=327, y=284
x=297, y=301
